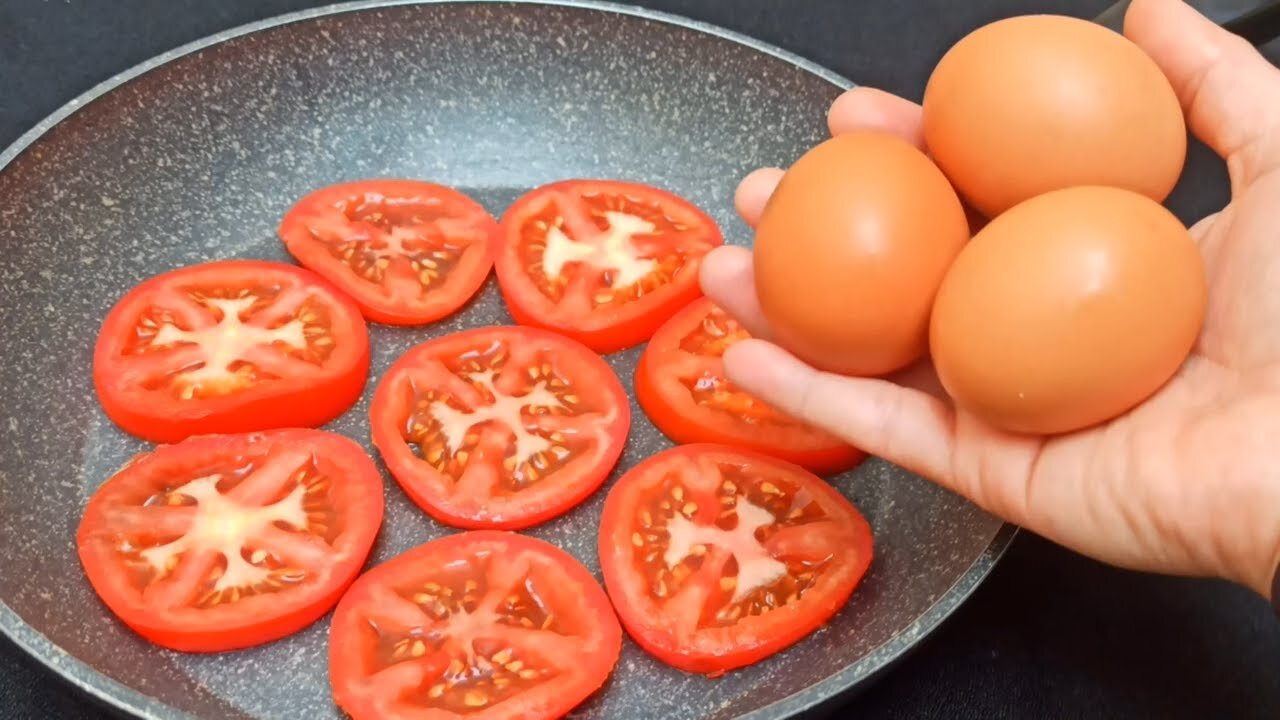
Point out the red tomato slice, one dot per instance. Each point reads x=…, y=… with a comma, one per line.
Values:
x=499, y=427
x=716, y=558
x=483, y=625
x=229, y=346
x=602, y=261
x=408, y=252
x=681, y=385
x=228, y=541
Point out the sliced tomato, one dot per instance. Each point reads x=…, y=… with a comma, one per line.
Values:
x=229, y=346
x=484, y=625
x=681, y=385
x=227, y=541
x=716, y=558
x=499, y=427
x=409, y=252
x=602, y=261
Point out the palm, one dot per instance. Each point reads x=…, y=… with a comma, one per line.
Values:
x=1150, y=489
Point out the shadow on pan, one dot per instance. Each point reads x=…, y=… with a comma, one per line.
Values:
x=196, y=155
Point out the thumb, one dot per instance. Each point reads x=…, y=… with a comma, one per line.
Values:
x=1228, y=90
x=905, y=426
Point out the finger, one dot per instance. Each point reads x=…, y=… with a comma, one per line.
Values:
x=920, y=376
x=858, y=109
x=907, y=427
x=1229, y=91
x=864, y=108
x=727, y=278
x=753, y=193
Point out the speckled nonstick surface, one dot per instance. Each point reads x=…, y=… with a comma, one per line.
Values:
x=196, y=155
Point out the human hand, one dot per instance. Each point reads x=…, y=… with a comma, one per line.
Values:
x=1183, y=484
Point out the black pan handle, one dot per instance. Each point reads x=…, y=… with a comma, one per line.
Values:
x=1257, y=22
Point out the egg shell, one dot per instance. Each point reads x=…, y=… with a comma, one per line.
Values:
x=1036, y=103
x=1068, y=310
x=850, y=251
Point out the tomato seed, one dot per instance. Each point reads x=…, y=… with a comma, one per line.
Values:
x=514, y=666
x=474, y=698
x=528, y=674
x=502, y=656
x=646, y=518
x=769, y=488
x=258, y=556
x=729, y=487
x=728, y=583
x=546, y=622
x=698, y=550
x=677, y=492
x=436, y=690
x=637, y=539
x=456, y=667
x=689, y=509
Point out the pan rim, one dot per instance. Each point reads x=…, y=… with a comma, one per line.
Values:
x=123, y=698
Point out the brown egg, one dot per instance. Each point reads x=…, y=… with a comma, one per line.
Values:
x=1042, y=102
x=1068, y=310
x=851, y=249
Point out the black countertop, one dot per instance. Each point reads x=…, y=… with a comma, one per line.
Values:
x=1049, y=635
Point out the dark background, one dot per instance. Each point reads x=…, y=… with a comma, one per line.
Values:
x=1049, y=635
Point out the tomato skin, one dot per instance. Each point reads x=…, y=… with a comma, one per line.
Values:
x=615, y=328
x=376, y=302
x=351, y=655
x=159, y=416
x=252, y=620
x=433, y=491
x=669, y=403
x=714, y=651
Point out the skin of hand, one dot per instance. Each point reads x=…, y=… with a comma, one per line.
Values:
x=1185, y=483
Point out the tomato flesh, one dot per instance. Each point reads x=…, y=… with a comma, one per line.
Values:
x=408, y=252
x=481, y=624
x=716, y=558
x=499, y=427
x=681, y=385
x=223, y=542
x=229, y=346
x=601, y=261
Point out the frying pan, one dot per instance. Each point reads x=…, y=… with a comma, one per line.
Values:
x=196, y=154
